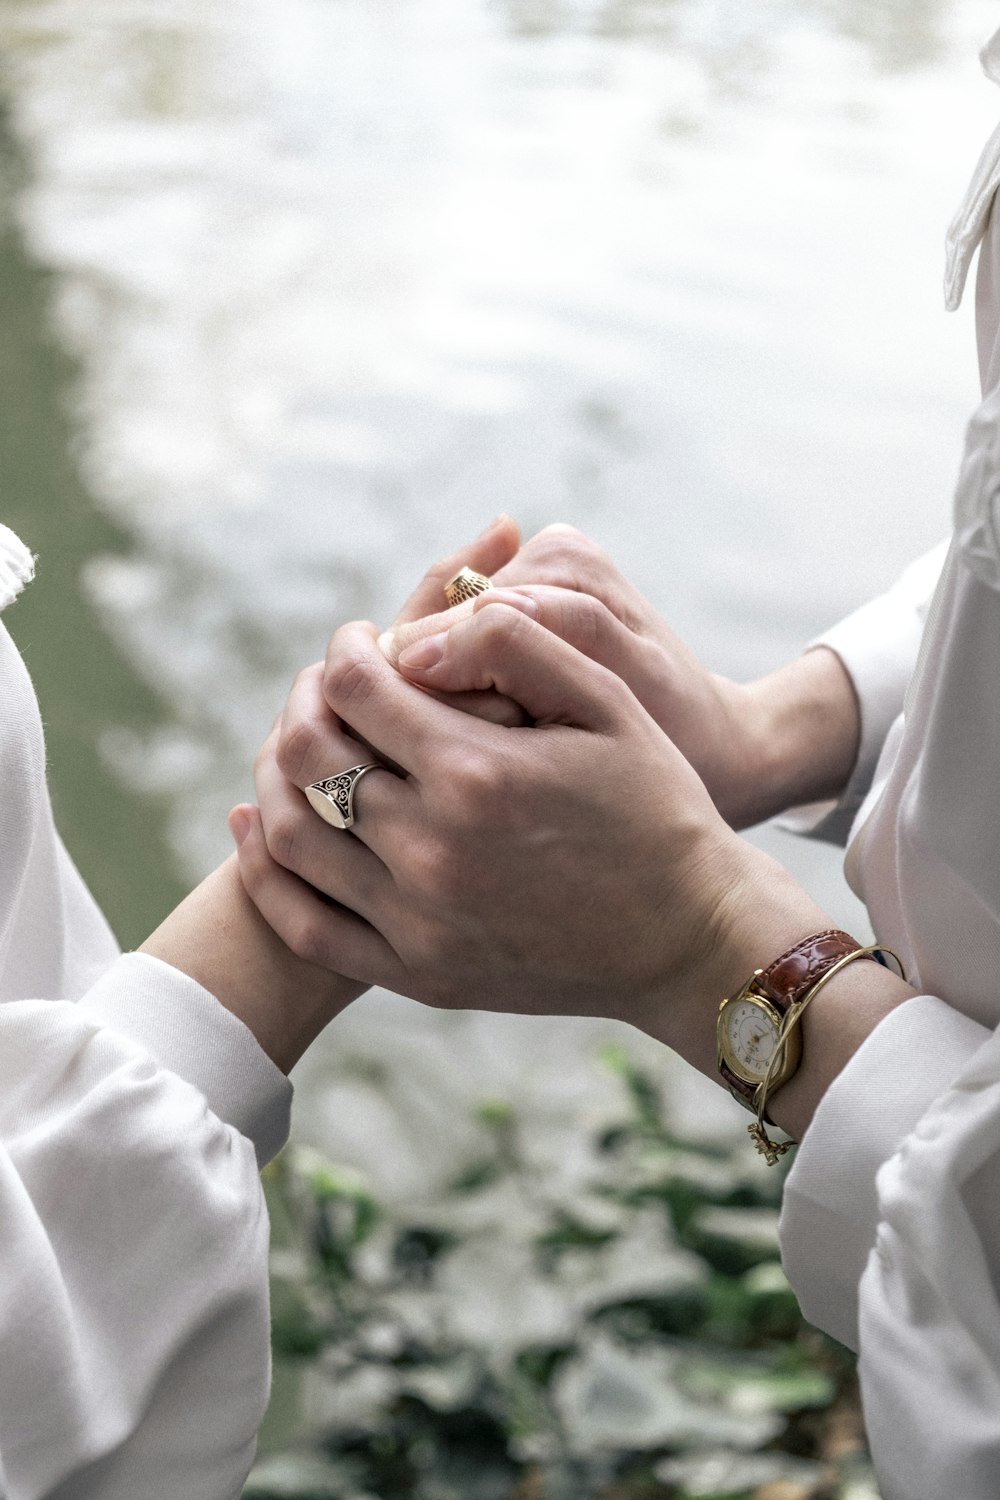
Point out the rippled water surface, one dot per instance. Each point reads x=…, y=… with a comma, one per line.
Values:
x=320, y=287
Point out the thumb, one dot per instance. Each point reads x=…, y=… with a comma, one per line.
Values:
x=405, y=634
x=504, y=649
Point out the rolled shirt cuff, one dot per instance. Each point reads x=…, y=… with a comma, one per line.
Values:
x=187, y=1030
x=830, y=1212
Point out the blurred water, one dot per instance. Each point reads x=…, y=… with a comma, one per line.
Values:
x=342, y=280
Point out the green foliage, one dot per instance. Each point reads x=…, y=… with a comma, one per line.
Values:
x=626, y=1333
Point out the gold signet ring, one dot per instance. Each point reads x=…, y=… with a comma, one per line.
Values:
x=465, y=585
x=333, y=797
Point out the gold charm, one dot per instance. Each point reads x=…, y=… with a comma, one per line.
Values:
x=769, y=1150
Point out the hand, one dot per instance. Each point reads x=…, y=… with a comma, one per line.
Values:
x=788, y=738
x=488, y=553
x=219, y=938
x=573, y=867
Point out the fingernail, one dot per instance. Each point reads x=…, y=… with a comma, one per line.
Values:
x=239, y=824
x=387, y=644
x=423, y=655
x=492, y=526
x=513, y=598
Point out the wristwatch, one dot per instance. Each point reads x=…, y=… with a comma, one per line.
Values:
x=749, y=1023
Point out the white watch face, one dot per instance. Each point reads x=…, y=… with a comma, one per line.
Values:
x=750, y=1036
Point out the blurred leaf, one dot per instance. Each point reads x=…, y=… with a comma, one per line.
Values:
x=734, y=1240
x=723, y=1472
x=609, y=1398
x=539, y=1363
x=479, y=1175
x=644, y=1093
x=495, y=1113
x=570, y=1233
x=556, y=1333
x=300, y=1476
x=752, y=1387
x=445, y=1386
x=857, y=1481
x=416, y=1249
x=295, y=1331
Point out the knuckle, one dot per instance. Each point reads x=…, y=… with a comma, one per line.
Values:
x=296, y=750
x=560, y=535
x=485, y=788
x=425, y=861
x=284, y=837
x=265, y=754
x=472, y=777
x=496, y=627
x=253, y=866
x=618, y=696
x=493, y=708
x=442, y=570
x=349, y=680
x=307, y=938
x=445, y=872
x=591, y=623
x=569, y=557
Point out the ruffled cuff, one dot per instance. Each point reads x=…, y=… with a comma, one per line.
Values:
x=17, y=566
x=830, y=1213
x=188, y=1031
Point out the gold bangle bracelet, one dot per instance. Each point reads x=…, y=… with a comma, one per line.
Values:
x=772, y=1150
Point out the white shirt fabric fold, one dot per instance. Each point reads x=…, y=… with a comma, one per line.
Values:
x=891, y=1220
x=134, y=1113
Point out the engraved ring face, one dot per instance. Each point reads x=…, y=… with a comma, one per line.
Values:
x=333, y=797
x=749, y=1037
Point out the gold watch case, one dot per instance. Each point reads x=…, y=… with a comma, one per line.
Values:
x=747, y=1034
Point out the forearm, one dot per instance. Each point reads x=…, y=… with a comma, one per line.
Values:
x=218, y=937
x=803, y=728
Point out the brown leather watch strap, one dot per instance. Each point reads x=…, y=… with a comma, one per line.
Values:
x=788, y=979
x=793, y=974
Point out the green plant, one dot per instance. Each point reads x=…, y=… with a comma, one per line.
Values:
x=624, y=1331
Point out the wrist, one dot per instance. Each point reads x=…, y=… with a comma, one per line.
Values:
x=800, y=729
x=218, y=937
x=763, y=913
x=754, y=911
x=843, y=1016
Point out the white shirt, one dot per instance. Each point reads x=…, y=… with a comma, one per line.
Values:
x=891, y=1221
x=134, y=1112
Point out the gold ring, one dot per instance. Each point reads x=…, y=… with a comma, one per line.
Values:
x=465, y=585
x=333, y=797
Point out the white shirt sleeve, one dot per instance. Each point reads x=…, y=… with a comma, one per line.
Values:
x=929, y=1298
x=134, y=1322
x=891, y=1221
x=891, y=1238
x=135, y=1111
x=831, y=1211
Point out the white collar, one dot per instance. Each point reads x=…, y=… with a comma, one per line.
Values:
x=969, y=224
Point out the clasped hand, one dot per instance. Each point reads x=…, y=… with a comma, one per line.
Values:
x=554, y=852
